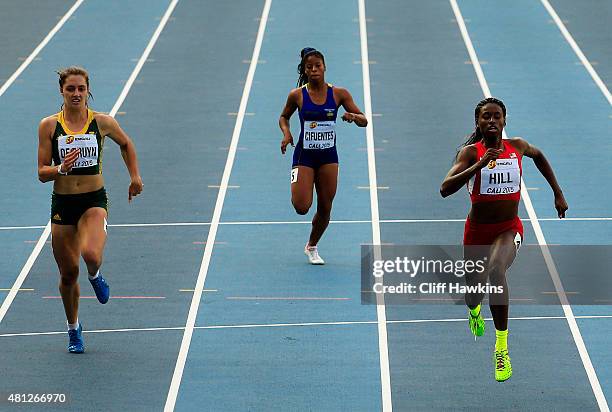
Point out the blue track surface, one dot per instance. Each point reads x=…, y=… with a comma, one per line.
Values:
x=272, y=332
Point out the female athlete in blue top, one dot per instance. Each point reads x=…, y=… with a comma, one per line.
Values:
x=315, y=160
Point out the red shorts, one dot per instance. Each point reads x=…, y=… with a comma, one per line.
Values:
x=485, y=233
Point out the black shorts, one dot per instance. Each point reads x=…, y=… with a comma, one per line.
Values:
x=68, y=209
x=313, y=158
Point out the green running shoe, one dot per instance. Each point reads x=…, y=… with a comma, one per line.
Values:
x=503, y=368
x=477, y=324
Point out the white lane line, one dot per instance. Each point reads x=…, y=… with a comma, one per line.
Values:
x=160, y=224
x=281, y=325
x=40, y=46
x=383, y=350
x=9, y=335
x=585, y=62
x=143, y=58
x=550, y=264
x=212, y=233
x=8, y=301
x=20, y=227
x=292, y=222
x=20, y=290
x=308, y=222
x=543, y=219
x=47, y=231
x=112, y=297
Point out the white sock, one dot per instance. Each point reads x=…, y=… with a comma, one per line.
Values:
x=73, y=326
x=94, y=276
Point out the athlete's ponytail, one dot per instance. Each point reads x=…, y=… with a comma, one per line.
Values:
x=306, y=51
x=477, y=135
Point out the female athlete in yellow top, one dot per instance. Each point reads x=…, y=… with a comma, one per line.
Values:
x=70, y=145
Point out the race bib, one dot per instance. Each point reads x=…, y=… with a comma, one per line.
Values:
x=319, y=135
x=294, y=174
x=500, y=177
x=86, y=143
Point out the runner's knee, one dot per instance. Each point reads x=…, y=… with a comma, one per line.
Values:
x=497, y=272
x=92, y=257
x=69, y=274
x=301, y=208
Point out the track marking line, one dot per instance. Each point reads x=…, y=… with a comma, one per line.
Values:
x=41, y=45
x=583, y=60
x=6, y=304
x=304, y=324
x=20, y=290
x=307, y=222
x=550, y=264
x=20, y=227
x=291, y=222
x=112, y=297
x=8, y=300
x=203, y=243
x=381, y=315
x=214, y=225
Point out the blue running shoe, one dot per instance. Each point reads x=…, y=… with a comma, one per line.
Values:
x=76, y=345
x=101, y=288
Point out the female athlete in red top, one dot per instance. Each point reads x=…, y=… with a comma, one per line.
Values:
x=491, y=167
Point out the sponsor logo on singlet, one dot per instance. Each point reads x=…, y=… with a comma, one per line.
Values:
x=319, y=135
x=500, y=177
x=87, y=144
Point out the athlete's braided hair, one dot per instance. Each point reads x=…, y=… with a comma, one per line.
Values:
x=477, y=135
x=306, y=51
x=73, y=71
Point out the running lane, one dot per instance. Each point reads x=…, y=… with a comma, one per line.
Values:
x=430, y=93
x=18, y=38
x=588, y=22
x=260, y=272
x=146, y=266
x=559, y=109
